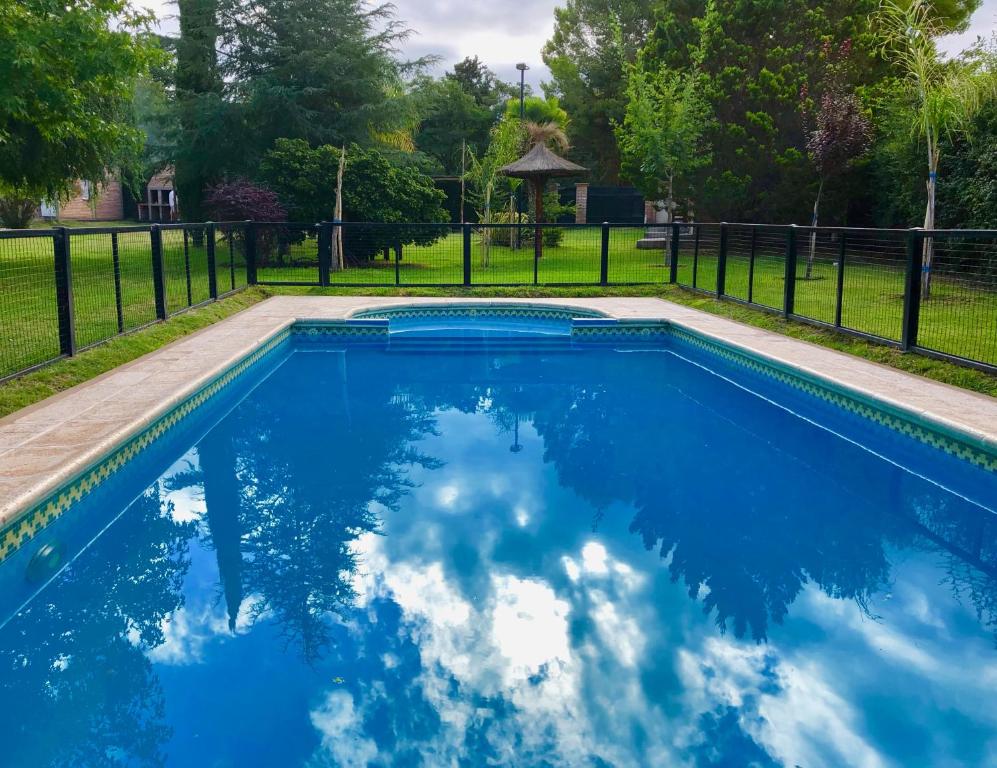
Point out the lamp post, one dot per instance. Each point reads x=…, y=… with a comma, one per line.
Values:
x=522, y=67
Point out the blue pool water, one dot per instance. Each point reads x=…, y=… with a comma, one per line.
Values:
x=527, y=555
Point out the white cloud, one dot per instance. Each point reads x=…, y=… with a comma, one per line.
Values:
x=342, y=731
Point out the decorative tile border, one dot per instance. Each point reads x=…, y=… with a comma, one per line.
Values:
x=618, y=330
x=317, y=330
x=22, y=530
x=478, y=310
x=868, y=408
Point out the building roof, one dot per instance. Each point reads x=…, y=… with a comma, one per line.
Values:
x=162, y=180
x=541, y=162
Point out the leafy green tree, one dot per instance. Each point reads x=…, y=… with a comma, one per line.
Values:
x=538, y=110
x=661, y=137
x=753, y=73
x=480, y=83
x=319, y=70
x=593, y=42
x=201, y=113
x=303, y=177
x=968, y=189
x=374, y=190
x=451, y=122
x=942, y=96
x=67, y=75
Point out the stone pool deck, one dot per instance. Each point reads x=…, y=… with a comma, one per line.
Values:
x=47, y=444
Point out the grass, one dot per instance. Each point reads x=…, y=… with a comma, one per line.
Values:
x=956, y=320
x=63, y=374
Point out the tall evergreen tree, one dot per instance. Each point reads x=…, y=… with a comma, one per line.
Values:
x=200, y=109
x=593, y=42
x=319, y=70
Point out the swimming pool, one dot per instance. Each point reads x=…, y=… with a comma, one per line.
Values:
x=404, y=541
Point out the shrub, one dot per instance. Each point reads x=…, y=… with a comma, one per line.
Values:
x=374, y=190
x=239, y=200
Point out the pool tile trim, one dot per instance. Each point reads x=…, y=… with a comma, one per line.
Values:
x=911, y=424
x=25, y=527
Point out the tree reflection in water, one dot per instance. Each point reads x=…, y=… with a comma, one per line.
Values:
x=74, y=664
x=743, y=540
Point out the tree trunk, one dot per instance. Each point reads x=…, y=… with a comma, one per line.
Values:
x=486, y=232
x=340, y=172
x=812, y=255
x=929, y=221
x=538, y=191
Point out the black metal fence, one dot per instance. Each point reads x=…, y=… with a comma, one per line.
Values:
x=62, y=290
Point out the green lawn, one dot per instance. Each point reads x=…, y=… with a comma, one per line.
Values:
x=958, y=320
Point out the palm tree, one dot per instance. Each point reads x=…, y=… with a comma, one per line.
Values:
x=549, y=134
x=943, y=96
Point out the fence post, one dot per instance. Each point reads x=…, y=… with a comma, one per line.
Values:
x=398, y=262
x=324, y=252
x=604, y=255
x=695, y=257
x=673, y=259
x=467, y=254
x=839, y=298
x=209, y=248
x=722, y=262
x=116, y=262
x=158, y=273
x=186, y=267
x=789, y=289
x=751, y=264
x=250, y=253
x=912, y=289
x=64, y=293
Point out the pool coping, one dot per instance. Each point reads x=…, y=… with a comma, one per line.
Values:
x=46, y=445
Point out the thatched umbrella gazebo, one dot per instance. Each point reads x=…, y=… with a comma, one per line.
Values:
x=539, y=165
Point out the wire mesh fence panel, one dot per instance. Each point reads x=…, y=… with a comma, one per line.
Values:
x=177, y=269
x=230, y=257
x=287, y=253
x=705, y=255
x=195, y=239
x=873, y=283
x=816, y=290
x=364, y=254
x=430, y=254
x=571, y=254
x=638, y=254
x=688, y=254
x=29, y=324
x=502, y=255
x=768, y=273
x=138, y=294
x=96, y=279
x=739, y=263
x=958, y=310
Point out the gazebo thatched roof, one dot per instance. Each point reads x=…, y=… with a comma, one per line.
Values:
x=540, y=162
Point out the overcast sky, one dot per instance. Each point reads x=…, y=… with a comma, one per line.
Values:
x=502, y=32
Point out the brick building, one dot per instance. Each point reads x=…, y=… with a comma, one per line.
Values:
x=105, y=203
